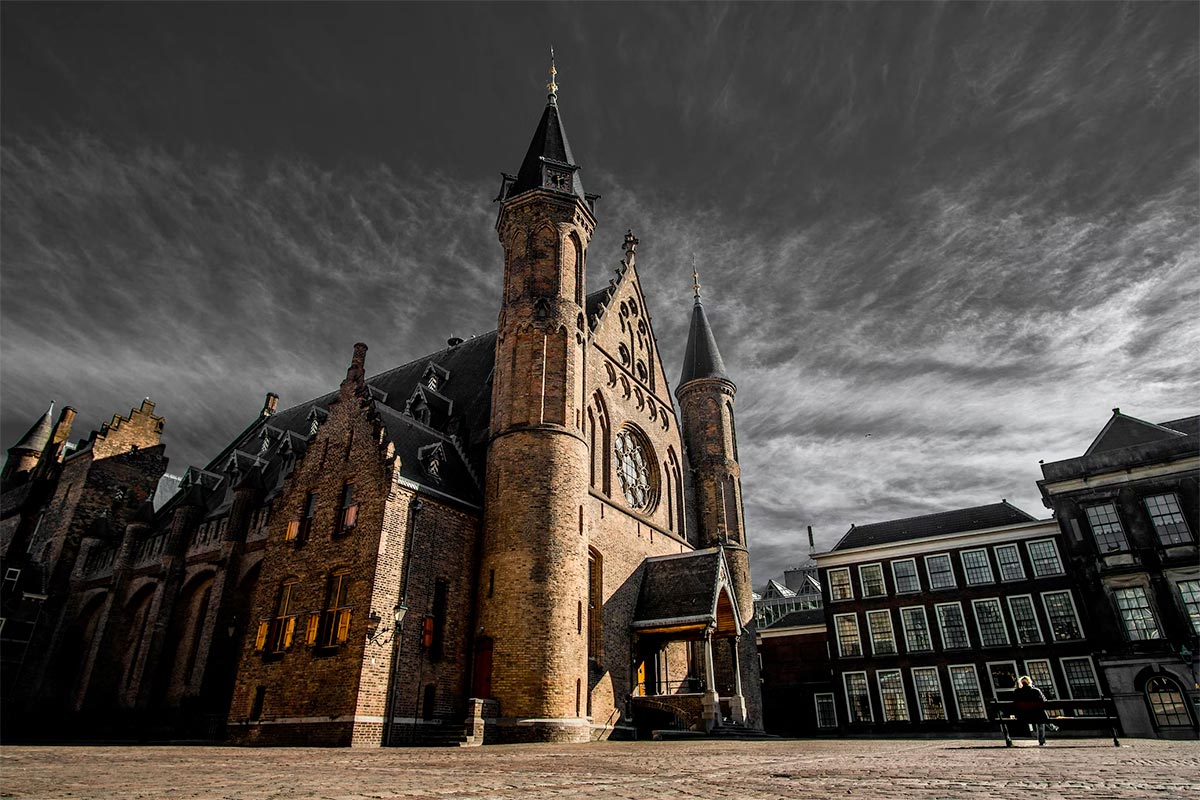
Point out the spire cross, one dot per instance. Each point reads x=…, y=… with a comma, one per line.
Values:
x=552, y=86
x=695, y=279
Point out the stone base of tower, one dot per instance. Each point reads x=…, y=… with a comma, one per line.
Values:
x=513, y=730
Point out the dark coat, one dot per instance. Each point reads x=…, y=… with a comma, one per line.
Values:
x=1029, y=705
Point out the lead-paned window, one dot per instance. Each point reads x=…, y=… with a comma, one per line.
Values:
x=1003, y=677
x=989, y=619
x=976, y=567
x=1136, y=614
x=1189, y=595
x=1024, y=618
x=1081, y=677
x=940, y=571
x=1039, y=671
x=929, y=693
x=891, y=695
x=840, y=587
x=967, y=696
x=826, y=710
x=1043, y=556
x=1060, y=611
x=1167, y=702
x=952, y=626
x=916, y=629
x=904, y=573
x=883, y=638
x=1168, y=519
x=1106, y=528
x=871, y=576
x=849, y=643
x=858, y=697
x=1008, y=559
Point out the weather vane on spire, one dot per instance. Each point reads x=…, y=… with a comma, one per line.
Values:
x=695, y=279
x=552, y=87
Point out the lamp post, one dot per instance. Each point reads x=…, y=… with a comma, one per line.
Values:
x=397, y=628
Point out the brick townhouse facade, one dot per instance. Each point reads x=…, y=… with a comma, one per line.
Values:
x=485, y=544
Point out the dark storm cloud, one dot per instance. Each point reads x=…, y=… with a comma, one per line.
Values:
x=938, y=242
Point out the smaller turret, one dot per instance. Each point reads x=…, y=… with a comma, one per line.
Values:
x=25, y=454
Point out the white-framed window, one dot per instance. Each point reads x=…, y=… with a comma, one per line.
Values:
x=826, y=710
x=883, y=638
x=1024, y=618
x=1008, y=560
x=968, y=698
x=849, y=641
x=1064, y=619
x=840, y=587
x=858, y=697
x=1136, y=614
x=1106, y=528
x=940, y=571
x=1189, y=596
x=891, y=695
x=1043, y=557
x=1167, y=702
x=1038, y=669
x=1003, y=677
x=916, y=629
x=989, y=621
x=929, y=693
x=952, y=626
x=904, y=575
x=1080, y=674
x=1167, y=517
x=871, y=578
x=976, y=567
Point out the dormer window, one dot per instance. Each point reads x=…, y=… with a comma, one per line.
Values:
x=432, y=458
x=432, y=382
x=435, y=468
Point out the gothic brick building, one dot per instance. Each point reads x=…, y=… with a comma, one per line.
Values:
x=518, y=531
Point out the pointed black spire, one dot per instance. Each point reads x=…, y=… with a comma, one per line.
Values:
x=548, y=162
x=36, y=437
x=702, y=359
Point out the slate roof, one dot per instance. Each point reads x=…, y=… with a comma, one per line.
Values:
x=679, y=589
x=549, y=143
x=36, y=437
x=1127, y=442
x=702, y=359
x=794, y=619
x=945, y=522
x=1123, y=430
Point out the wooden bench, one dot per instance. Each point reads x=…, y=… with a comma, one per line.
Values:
x=1001, y=711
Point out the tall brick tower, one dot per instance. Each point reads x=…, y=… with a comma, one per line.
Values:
x=706, y=402
x=534, y=566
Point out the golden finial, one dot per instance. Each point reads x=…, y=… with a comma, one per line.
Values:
x=552, y=87
x=695, y=279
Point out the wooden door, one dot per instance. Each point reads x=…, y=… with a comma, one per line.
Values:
x=482, y=687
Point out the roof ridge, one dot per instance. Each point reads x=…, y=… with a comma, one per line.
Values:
x=939, y=513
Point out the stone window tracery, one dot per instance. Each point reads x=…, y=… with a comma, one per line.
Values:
x=634, y=462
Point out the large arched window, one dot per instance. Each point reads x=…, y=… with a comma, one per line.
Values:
x=1167, y=703
x=636, y=469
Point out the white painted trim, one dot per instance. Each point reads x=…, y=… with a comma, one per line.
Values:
x=908, y=648
x=879, y=673
x=946, y=541
x=1118, y=477
x=1016, y=548
x=862, y=651
x=795, y=630
x=1036, y=622
x=849, y=582
x=862, y=582
x=937, y=679
x=975, y=603
x=929, y=580
x=896, y=579
x=1033, y=565
x=870, y=706
x=817, y=709
x=1074, y=610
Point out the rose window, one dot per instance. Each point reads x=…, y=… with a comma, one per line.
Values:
x=634, y=470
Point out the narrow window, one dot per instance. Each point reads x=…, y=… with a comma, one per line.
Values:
x=826, y=710
x=976, y=568
x=858, y=698
x=883, y=639
x=595, y=606
x=1168, y=519
x=1024, y=618
x=952, y=626
x=299, y=529
x=904, y=573
x=1043, y=555
x=491, y=582
x=940, y=571
x=891, y=695
x=916, y=629
x=284, y=625
x=1106, y=528
x=338, y=609
x=871, y=577
x=1189, y=595
x=441, y=602
x=348, y=513
x=967, y=695
x=929, y=693
x=840, y=587
x=849, y=643
x=1136, y=614
x=1060, y=611
x=989, y=620
x=260, y=697
x=1008, y=559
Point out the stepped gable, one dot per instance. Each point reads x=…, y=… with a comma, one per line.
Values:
x=994, y=515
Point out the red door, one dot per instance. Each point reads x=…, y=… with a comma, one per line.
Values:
x=483, y=668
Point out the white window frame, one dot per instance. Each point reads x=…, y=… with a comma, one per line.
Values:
x=942, y=628
x=903, y=695
x=987, y=562
x=1049, y=672
x=891, y=629
x=954, y=690
x=849, y=582
x=849, y=709
x=908, y=648
x=1125, y=621
x=1050, y=617
x=1016, y=551
x=1032, y=610
x=837, y=632
x=832, y=707
x=862, y=582
x=1193, y=620
x=1062, y=662
x=1033, y=564
x=992, y=682
x=916, y=576
x=937, y=680
x=929, y=575
x=975, y=604
x=1178, y=510
x=1122, y=534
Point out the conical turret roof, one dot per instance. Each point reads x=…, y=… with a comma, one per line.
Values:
x=702, y=359
x=36, y=437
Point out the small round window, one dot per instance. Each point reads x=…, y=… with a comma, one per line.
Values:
x=635, y=469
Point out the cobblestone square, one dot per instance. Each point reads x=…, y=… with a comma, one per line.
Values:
x=962, y=768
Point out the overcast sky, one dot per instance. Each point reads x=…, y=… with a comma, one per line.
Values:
x=938, y=242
